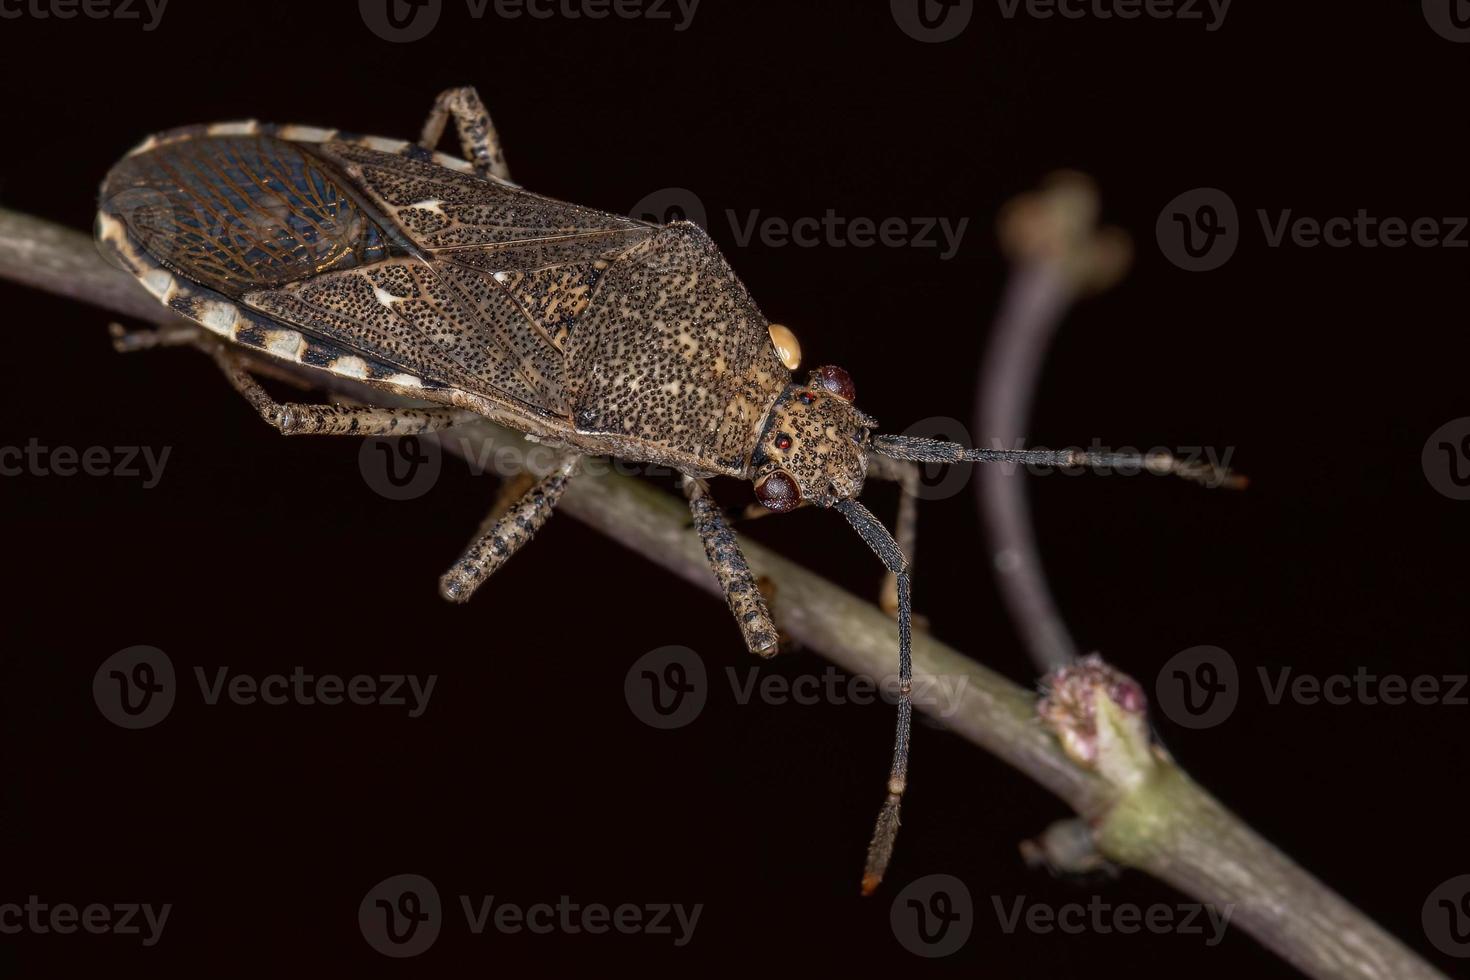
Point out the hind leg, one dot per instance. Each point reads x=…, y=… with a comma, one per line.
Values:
x=294, y=418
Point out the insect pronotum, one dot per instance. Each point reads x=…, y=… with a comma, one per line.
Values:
x=436, y=278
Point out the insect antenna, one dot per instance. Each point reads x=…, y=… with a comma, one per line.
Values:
x=876, y=536
x=920, y=450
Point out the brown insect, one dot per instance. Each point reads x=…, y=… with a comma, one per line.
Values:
x=437, y=278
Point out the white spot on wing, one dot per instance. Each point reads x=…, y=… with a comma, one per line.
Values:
x=285, y=343
x=349, y=366
x=385, y=297
x=405, y=381
x=383, y=145
x=432, y=204
x=219, y=317
x=159, y=282
x=306, y=134
x=245, y=127
x=108, y=227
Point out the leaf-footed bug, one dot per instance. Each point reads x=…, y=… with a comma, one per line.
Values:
x=436, y=278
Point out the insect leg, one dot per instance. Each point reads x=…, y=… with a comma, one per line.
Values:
x=476, y=132
x=905, y=528
x=494, y=547
x=294, y=418
x=733, y=574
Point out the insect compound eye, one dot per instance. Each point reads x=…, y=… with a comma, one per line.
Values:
x=786, y=346
x=783, y=441
x=835, y=380
x=778, y=492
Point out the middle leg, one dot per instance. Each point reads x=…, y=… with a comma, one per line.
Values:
x=492, y=548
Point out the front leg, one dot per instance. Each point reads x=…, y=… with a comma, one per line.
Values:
x=731, y=570
x=476, y=132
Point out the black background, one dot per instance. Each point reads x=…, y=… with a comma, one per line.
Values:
x=528, y=777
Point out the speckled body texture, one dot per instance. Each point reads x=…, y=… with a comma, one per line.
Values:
x=359, y=256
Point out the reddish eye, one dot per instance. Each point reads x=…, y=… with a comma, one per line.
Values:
x=783, y=441
x=778, y=492
x=835, y=380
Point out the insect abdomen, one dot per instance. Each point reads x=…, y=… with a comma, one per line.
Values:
x=239, y=213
